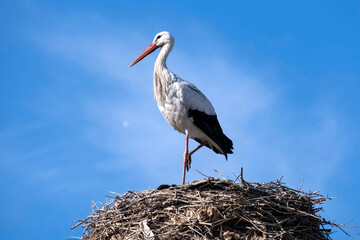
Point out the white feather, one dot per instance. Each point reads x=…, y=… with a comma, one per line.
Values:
x=193, y=98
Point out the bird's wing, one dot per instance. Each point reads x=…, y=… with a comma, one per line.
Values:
x=194, y=99
x=209, y=124
x=202, y=114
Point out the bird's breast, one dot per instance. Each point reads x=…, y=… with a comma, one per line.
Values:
x=175, y=113
x=169, y=98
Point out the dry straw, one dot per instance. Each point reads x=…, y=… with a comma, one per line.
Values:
x=211, y=209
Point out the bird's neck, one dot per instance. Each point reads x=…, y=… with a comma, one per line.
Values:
x=163, y=55
x=162, y=74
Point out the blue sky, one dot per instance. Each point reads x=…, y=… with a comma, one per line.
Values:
x=76, y=122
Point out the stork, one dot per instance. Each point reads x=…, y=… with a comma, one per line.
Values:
x=184, y=106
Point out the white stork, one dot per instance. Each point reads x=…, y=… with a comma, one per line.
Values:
x=184, y=106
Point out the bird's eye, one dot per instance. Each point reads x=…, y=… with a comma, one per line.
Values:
x=157, y=38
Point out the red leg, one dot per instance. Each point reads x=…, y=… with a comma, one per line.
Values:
x=186, y=156
x=192, y=152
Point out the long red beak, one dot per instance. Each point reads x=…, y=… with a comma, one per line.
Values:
x=147, y=51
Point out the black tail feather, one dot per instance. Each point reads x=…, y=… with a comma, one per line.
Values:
x=227, y=145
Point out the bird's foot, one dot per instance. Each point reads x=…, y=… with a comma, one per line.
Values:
x=187, y=161
x=188, y=165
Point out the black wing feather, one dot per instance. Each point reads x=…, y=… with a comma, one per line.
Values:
x=209, y=124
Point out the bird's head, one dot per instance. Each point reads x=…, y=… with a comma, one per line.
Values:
x=161, y=39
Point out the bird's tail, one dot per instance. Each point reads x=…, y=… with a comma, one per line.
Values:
x=226, y=146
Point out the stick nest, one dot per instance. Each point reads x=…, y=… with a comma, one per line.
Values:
x=210, y=209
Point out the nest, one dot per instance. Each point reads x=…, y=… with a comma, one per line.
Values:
x=210, y=209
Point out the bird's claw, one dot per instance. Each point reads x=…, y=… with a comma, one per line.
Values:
x=187, y=158
x=188, y=162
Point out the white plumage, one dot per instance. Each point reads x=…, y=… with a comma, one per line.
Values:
x=184, y=106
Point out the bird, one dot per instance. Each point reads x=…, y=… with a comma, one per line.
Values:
x=183, y=105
